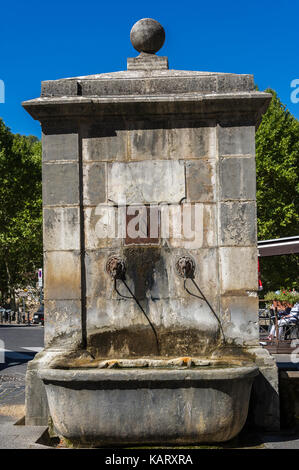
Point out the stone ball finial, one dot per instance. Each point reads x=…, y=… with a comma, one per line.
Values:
x=147, y=35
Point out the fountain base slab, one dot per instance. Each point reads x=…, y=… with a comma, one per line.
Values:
x=100, y=407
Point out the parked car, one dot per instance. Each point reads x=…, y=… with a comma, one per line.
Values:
x=38, y=317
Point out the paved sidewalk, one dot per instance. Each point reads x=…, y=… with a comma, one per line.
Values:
x=280, y=441
x=14, y=436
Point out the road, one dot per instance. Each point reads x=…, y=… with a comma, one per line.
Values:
x=18, y=345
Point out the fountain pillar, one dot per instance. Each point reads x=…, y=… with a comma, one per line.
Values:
x=150, y=248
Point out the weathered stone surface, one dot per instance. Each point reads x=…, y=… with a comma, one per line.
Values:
x=237, y=178
x=62, y=275
x=206, y=273
x=61, y=229
x=148, y=140
x=150, y=283
x=64, y=323
x=229, y=82
x=160, y=281
x=101, y=229
x=146, y=182
x=134, y=337
x=238, y=223
x=242, y=327
x=94, y=183
x=128, y=86
x=151, y=136
x=104, y=141
x=59, y=88
x=192, y=139
x=147, y=62
x=182, y=225
x=188, y=226
x=237, y=140
x=60, y=184
x=148, y=81
x=98, y=282
x=265, y=407
x=185, y=325
x=201, y=180
x=147, y=35
x=218, y=399
x=60, y=147
x=187, y=362
x=238, y=269
x=209, y=225
x=36, y=402
x=37, y=409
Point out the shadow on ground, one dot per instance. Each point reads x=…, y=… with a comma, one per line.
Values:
x=14, y=358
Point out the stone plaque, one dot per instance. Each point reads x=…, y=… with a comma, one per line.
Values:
x=146, y=182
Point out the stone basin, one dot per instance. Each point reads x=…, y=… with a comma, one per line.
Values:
x=100, y=407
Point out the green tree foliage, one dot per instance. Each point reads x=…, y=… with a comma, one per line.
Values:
x=20, y=210
x=277, y=158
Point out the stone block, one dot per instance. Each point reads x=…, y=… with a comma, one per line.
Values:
x=104, y=314
x=229, y=82
x=192, y=139
x=241, y=314
x=238, y=269
x=182, y=225
x=61, y=229
x=188, y=226
x=148, y=140
x=147, y=62
x=264, y=412
x=94, y=183
x=146, y=181
x=36, y=402
x=64, y=323
x=62, y=275
x=237, y=178
x=237, y=223
x=60, y=184
x=60, y=147
x=236, y=140
x=98, y=281
x=101, y=227
x=201, y=180
x=203, y=83
x=154, y=84
x=104, y=141
x=209, y=225
x=59, y=88
x=206, y=271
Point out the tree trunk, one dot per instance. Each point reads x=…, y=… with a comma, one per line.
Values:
x=9, y=286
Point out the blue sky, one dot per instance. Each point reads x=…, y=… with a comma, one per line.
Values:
x=44, y=40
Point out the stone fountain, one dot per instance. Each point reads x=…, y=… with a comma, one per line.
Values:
x=150, y=256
